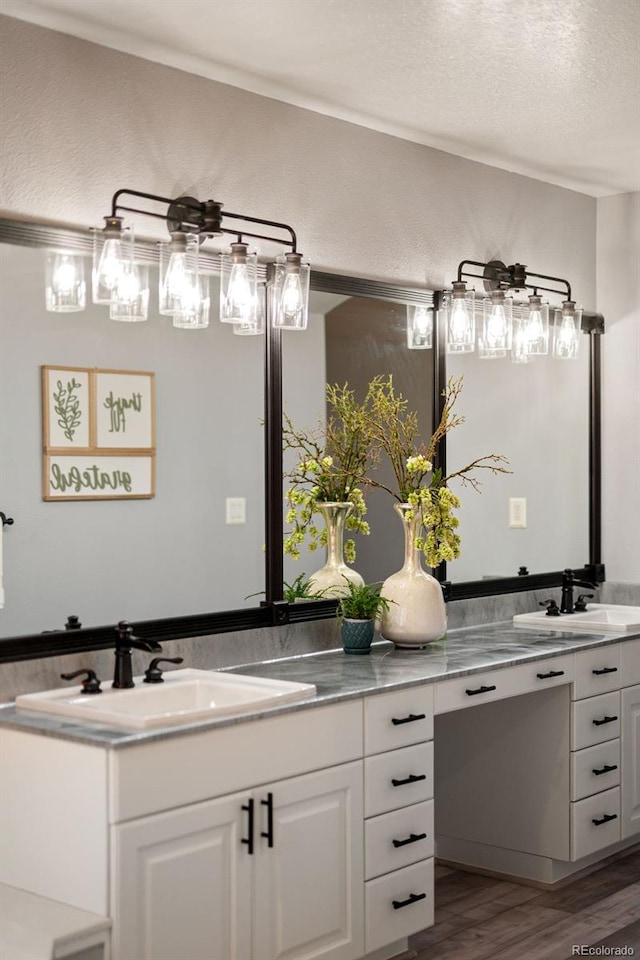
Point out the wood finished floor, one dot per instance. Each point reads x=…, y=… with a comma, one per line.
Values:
x=479, y=918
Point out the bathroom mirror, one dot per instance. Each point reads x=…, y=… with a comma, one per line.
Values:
x=173, y=555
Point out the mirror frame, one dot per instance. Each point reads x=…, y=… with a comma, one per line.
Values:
x=274, y=610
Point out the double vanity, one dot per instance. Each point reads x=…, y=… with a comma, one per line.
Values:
x=307, y=826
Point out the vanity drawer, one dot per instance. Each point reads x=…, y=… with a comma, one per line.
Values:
x=398, y=778
x=595, y=769
x=597, y=671
x=398, y=719
x=630, y=663
x=396, y=839
x=397, y=905
x=595, y=720
x=595, y=823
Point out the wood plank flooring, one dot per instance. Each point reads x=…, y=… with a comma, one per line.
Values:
x=480, y=918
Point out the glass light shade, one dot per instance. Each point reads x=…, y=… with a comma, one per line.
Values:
x=461, y=321
x=566, y=331
x=196, y=304
x=535, y=323
x=65, y=288
x=290, y=293
x=497, y=326
x=112, y=251
x=130, y=300
x=520, y=352
x=238, y=284
x=255, y=326
x=419, y=327
x=178, y=272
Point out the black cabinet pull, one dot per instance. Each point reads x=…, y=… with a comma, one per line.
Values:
x=606, y=769
x=248, y=806
x=268, y=803
x=598, y=723
x=599, y=673
x=607, y=817
x=413, y=898
x=412, y=716
x=413, y=778
x=412, y=838
x=472, y=693
x=552, y=673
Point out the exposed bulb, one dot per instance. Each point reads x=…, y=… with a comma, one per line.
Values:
x=459, y=322
x=110, y=263
x=239, y=294
x=497, y=326
x=65, y=276
x=291, y=303
x=534, y=330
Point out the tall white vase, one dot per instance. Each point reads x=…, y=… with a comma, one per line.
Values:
x=331, y=578
x=417, y=614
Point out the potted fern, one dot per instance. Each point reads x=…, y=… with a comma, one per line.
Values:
x=358, y=610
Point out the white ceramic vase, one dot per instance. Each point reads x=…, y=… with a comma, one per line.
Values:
x=331, y=578
x=417, y=613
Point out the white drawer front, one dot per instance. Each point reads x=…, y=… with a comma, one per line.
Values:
x=398, y=905
x=497, y=684
x=398, y=719
x=630, y=663
x=595, y=720
x=398, y=778
x=595, y=823
x=597, y=671
x=595, y=769
x=394, y=840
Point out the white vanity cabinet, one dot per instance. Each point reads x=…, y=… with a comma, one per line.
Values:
x=398, y=805
x=152, y=835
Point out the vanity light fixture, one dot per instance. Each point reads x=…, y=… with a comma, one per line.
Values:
x=419, y=327
x=182, y=293
x=511, y=325
x=65, y=289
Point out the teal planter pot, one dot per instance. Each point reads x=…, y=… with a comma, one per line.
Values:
x=357, y=635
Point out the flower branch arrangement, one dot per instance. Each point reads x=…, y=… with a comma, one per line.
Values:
x=395, y=432
x=334, y=461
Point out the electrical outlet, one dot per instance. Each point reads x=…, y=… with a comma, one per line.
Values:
x=236, y=510
x=517, y=512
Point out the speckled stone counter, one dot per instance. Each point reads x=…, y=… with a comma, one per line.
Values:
x=338, y=676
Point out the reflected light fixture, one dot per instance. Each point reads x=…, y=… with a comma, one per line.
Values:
x=181, y=294
x=419, y=326
x=65, y=289
x=511, y=325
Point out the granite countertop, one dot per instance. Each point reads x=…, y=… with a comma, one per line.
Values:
x=340, y=677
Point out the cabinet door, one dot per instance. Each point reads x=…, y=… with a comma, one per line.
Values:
x=309, y=885
x=181, y=884
x=630, y=763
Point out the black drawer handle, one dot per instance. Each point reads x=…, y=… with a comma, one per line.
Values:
x=598, y=723
x=413, y=898
x=412, y=716
x=472, y=693
x=413, y=778
x=599, y=673
x=412, y=838
x=606, y=769
x=552, y=673
x=607, y=817
x=249, y=838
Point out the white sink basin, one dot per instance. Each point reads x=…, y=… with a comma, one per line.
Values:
x=598, y=617
x=184, y=697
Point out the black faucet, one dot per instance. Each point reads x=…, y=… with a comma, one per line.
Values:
x=123, y=674
x=568, y=583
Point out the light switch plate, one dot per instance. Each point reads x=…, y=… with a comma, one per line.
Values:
x=517, y=512
x=236, y=510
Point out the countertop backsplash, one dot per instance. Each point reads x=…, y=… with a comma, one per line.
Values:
x=248, y=646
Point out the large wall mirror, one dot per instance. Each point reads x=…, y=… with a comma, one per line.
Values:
x=172, y=564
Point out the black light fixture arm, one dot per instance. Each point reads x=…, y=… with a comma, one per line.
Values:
x=498, y=276
x=205, y=217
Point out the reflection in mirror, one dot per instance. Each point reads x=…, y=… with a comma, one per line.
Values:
x=107, y=560
x=537, y=415
x=351, y=339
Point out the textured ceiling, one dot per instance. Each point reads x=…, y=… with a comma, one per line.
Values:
x=547, y=88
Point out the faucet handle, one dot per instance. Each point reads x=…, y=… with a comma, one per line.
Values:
x=90, y=684
x=552, y=607
x=153, y=673
x=580, y=605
